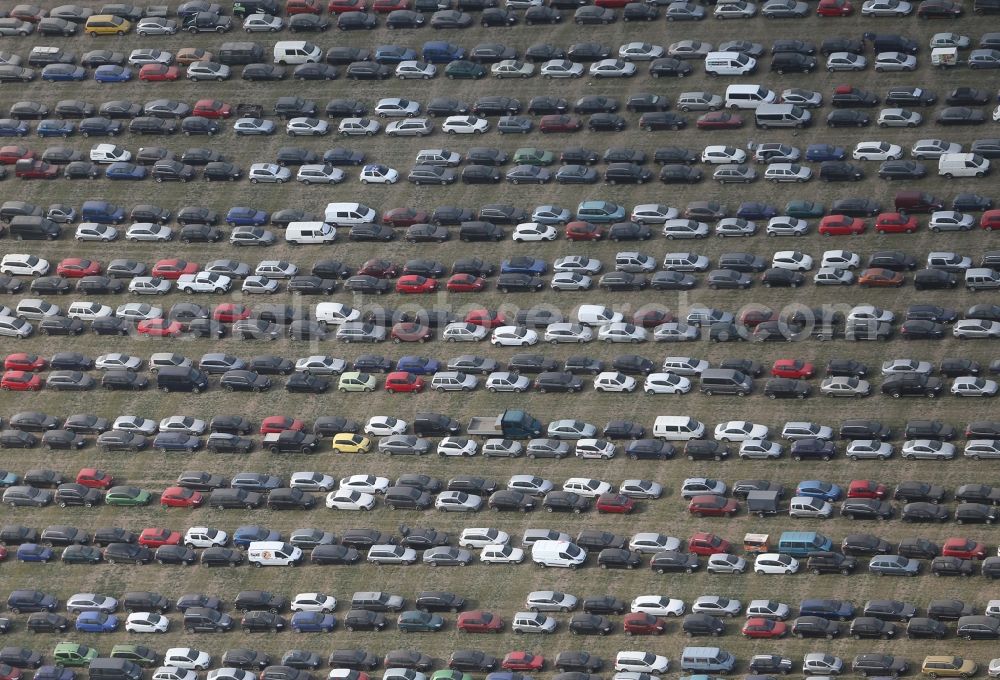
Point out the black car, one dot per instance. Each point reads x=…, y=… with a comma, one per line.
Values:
x=812, y=449
x=674, y=561
x=840, y=171
x=439, y=601
x=578, y=661
x=47, y=622
x=262, y=622
x=471, y=484
x=865, y=544
x=920, y=628
x=263, y=72
x=604, y=604
x=606, y=122
x=472, y=660
x=590, y=624
x=544, y=105
x=618, y=558
x=866, y=508
x=923, y=512
x=787, y=388
x=127, y=552
x=815, y=627
x=770, y=663
x=565, y=501
x=300, y=658
x=334, y=554
x=511, y=500
x=669, y=67
x=960, y=115
x=247, y=659
x=830, y=563
x=910, y=96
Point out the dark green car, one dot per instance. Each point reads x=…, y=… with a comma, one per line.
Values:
x=127, y=496
x=532, y=156
x=73, y=654
x=465, y=70
x=804, y=209
x=137, y=654
x=419, y=622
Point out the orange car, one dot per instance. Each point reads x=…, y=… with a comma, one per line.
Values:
x=880, y=278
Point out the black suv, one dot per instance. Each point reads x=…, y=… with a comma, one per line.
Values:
x=911, y=385
x=928, y=429
x=251, y=600
x=830, y=562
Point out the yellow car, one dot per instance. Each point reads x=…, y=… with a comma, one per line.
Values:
x=106, y=24
x=949, y=667
x=354, y=381
x=345, y=442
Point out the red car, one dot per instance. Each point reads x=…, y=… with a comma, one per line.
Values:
x=154, y=537
x=173, y=268
x=22, y=361
x=403, y=381
x=706, y=544
x=560, y=123
x=584, y=231
x=754, y=316
x=37, y=170
x=965, y=548
x=386, y=6
x=939, y=9
x=841, y=225
x=10, y=673
x=3, y=556
x=179, y=497
x=712, y=506
x=612, y=4
x=479, y=621
x=465, y=283
x=792, y=368
x=338, y=6
x=486, y=317
x=94, y=478
x=615, y=503
x=756, y=627
x=20, y=381
x=866, y=488
x=651, y=318
x=303, y=7
x=380, y=269
x=160, y=328
x=719, y=120
x=229, y=312
x=877, y=277
x=404, y=217
x=27, y=12
x=158, y=72
x=523, y=661
x=990, y=220
x=12, y=153
x=834, y=8
x=212, y=108
x=78, y=267
x=411, y=331
x=414, y=283
x=641, y=623
x=273, y=424
x=895, y=223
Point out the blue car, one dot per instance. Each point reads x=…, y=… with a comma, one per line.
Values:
x=96, y=622
x=14, y=128
x=313, y=622
x=63, y=73
x=241, y=216
x=524, y=265
x=55, y=128
x=126, y=171
x=54, y=673
x=752, y=210
x=418, y=365
x=600, y=212
x=109, y=73
x=825, y=152
x=244, y=535
x=100, y=127
x=815, y=488
x=8, y=478
x=393, y=54
x=33, y=552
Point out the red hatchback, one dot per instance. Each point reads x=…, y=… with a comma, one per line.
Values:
x=704, y=543
x=229, y=312
x=768, y=629
x=465, y=283
x=614, y=503
x=78, y=267
x=404, y=217
x=179, y=497
x=380, y=269
x=338, y=6
x=386, y=6
x=712, y=506
x=159, y=328
x=411, y=331
x=754, y=316
x=641, y=623
x=523, y=661
x=213, y=108
x=94, y=478
x=413, y=283
x=964, y=548
x=793, y=368
x=485, y=317
x=12, y=153
x=10, y=673
x=273, y=424
x=834, y=8
x=584, y=231
x=20, y=381
x=895, y=223
x=560, y=123
x=303, y=7
x=878, y=277
x=158, y=72
x=479, y=621
x=173, y=268
x=841, y=225
x=990, y=220
x=22, y=361
x=403, y=381
x=719, y=120
x=866, y=488
x=651, y=318
x=154, y=537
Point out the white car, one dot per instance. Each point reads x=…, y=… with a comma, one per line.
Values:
x=775, y=563
x=877, y=151
x=457, y=446
x=204, y=282
x=845, y=61
x=933, y=148
x=570, y=281
x=411, y=69
x=895, y=61
x=91, y=602
x=561, y=68
x=950, y=40
x=187, y=658
x=886, y=8
x=657, y=605
x=840, y=259
x=147, y=231
x=256, y=285
x=868, y=449
x=268, y=173
x=138, y=311
x=740, y=430
x=345, y=499
x=763, y=449
x=376, y=173
x=369, y=484
x=950, y=220
x=829, y=276
x=506, y=381
x=156, y=26
x=461, y=331
x=146, y=622
x=666, y=383
x=724, y=563
x=19, y=264
x=783, y=225
x=793, y=260
x=458, y=501
x=653, y=213
x=136, y=424
x=513, y=336
x=480, y=537
x=530, y=484
x=118, y=360
x=501, y=553
x=621, y=331
x=394, y=107
x=186, y=424
x=640, y=488
x=595, y=448
x=384, y=426
x=640, y=51
x=735, y=10
x=358, y=127
x=320, y=364
x=567, y=332
x=315, y=173
x=976, y=328
x=512, y=68
x=109, y=153
x=994, y=668
x=534, y=231
x=972, y=386
x=614, y=381
x=822, y=665
x=587, y=487
x=173, y=673
x=650, y=543
x=870, y=313
x=311, y=481
x=313, y=602
x=844, y=386
x=149, y=285
x=262, y=23
x=465, y=125
x=205, y=537
x=996, y=114
x=719, y=154
x=612, y=68
x=896, y=117
x=143, y=56
x=305, y=127
x=787, y=172
x=210, y=70
x=92, y=231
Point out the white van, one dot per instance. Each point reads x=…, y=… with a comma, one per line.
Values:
x=641, y=662
x=597, y=315
x=565, y=554
x=962, y=165
x=729, y=64
x=748, y=96
x=301, y=233
x=678, y=428
x=296, y=52
x=336, y=313
x=349, y=214
x=273, y=554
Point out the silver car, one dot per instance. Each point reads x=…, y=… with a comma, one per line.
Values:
x=869, y=449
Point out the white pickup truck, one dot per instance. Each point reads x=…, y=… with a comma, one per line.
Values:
x=204, y=282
